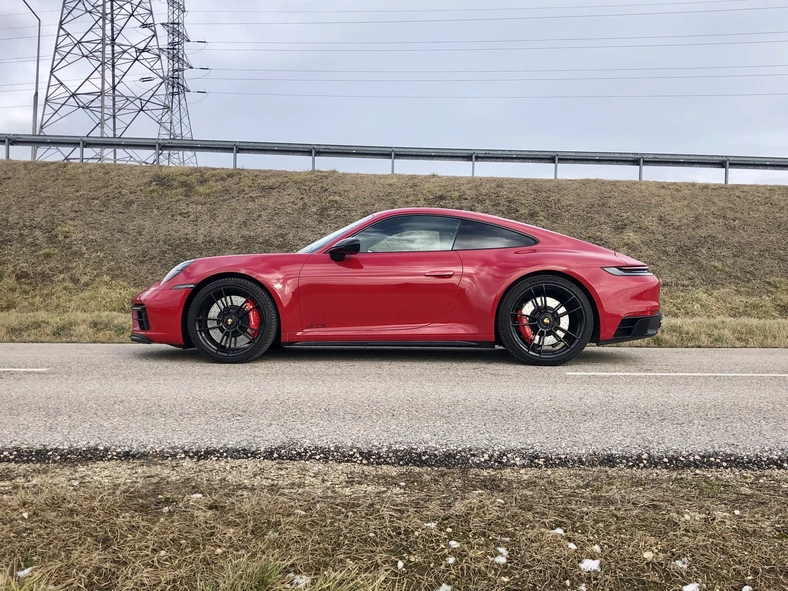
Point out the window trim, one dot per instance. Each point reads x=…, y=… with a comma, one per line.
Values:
x=536, y=241
x=404, y=215
x=461, y=219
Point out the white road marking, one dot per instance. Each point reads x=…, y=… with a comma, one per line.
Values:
x=22, y=369
x=655, y=373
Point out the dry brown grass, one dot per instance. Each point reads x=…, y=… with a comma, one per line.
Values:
x=85, y=238
x=136, y=526
x=114, y=327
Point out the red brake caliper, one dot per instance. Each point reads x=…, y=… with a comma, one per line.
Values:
x=254, y=317
x=525, y=330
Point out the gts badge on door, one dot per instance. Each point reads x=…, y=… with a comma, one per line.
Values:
x=315, y=326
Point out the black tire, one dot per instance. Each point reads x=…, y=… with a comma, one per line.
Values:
x=232, y=321
x=545, y=320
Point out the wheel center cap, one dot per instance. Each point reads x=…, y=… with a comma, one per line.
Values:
x=230, y=321
x=546, y=321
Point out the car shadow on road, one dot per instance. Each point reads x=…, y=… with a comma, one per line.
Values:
x=591, y=356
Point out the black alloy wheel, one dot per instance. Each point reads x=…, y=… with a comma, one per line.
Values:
x=545, y=320
x=232, y=321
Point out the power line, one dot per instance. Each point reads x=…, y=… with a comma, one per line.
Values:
x=457, y=49
x=485, y=9
x=27, y=88
x=487, y=71
x=417, y=10
x=474, y=41
x=506, y=18
x=526, y=97
x=437, y=80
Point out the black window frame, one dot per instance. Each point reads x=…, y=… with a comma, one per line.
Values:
x=403, y=215
x=534, y=240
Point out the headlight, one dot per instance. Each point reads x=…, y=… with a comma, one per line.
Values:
x=177, y=269
x=629, y=271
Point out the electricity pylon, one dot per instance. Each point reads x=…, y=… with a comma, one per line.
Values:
x=107, y=79
x=179, y=124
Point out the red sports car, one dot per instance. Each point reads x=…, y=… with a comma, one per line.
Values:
x=408, y=277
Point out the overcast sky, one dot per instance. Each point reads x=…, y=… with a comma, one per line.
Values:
x=711, y=48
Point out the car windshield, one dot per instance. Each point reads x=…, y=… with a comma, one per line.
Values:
x=318, y=244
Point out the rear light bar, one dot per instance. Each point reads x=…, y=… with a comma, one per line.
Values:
x=628, y=271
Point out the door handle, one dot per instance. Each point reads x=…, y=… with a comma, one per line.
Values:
x=444, y=274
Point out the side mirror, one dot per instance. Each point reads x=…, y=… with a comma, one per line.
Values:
x=341, y=249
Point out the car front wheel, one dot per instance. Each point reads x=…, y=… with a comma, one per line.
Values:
x=545, y=320
x=232, y=321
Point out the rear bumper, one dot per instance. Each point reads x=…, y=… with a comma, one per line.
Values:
x=632, y=328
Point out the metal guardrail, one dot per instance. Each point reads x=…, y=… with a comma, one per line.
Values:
x=314, y=151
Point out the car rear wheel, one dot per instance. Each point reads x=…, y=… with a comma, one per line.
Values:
x=545, y=320
x=232, y=321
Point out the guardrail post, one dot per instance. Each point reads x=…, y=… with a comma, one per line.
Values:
x=157, y=159
x=473, y=164
x=235, y=156
x=555, y=170
x=727, y=170
x=392, y=162
x=640, y=169
x=313, y=159
x=8, y=148
x=81, y=150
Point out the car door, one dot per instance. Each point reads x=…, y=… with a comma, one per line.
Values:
x=404, y=276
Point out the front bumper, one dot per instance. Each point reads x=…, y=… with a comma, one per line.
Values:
x=632, y=328
x=156, y=316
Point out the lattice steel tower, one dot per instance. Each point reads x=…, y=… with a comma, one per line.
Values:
x=107, y=78
x=179, y=124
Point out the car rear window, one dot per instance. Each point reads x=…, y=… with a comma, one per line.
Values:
x=478, y=236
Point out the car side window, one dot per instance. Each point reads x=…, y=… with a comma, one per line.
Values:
x=409, y=233
x=479, y=236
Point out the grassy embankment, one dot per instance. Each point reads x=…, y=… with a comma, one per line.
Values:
x=79, y=240
x=256, y=525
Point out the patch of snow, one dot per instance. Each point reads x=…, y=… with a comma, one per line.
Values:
x=25, y=514
x=74, y=483
x=648, y=555
x=500, y=501
x=571, y=546
x=299, y=512
x=196, y=496
x=737, y=512
x=746, y=588
x=298, y=581
x=582, y=587
x=502, y=551
x=23, y=573
x=558, y=531
x=430, y=524
x=589, y=565
x=691, y=587
x=451, y=560
x=453, y=544
x=597, y=549
x=400, y=565
x=444, y=587
x=682, y=563
x=499, y=559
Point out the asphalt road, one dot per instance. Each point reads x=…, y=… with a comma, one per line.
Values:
x=420, y=406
